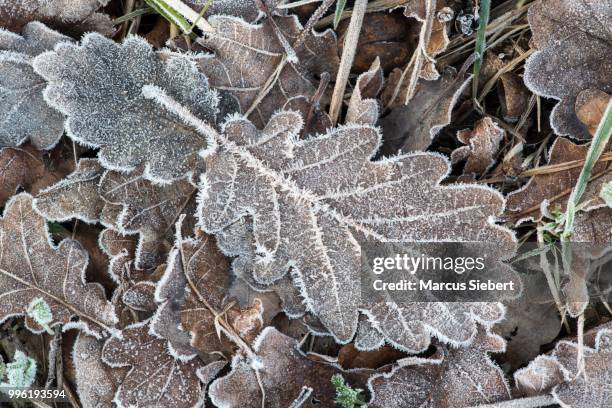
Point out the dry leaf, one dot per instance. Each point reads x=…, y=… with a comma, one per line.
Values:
x=513, y=96
x=590, y=107
x=316, y=120
x=19, y=167
x=76, y=16
x=29, y=118
x=573, y=43
x=192, y=297
x=559, y=374
x=412, y=127
x=155, y=378
x=283, y=371
x=483, y=146
x=554, y=188
x=363, y=108
x=75, y=196
x=594, y=227
x=33, y=268
x=129, y=128
x=96, y=383
x=246, y=57
x=455, y=377
x=148, y=209
x=325, y=190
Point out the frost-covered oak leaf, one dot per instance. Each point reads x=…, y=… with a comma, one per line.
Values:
x=285, y=374
x=150, y=210
x=553, y=189
x=75, y=16
x=192, y=294
x=99, y=84
x=155, y=377
x=19, y=167
x=26, y=116
x=559, y=373
x=246, y=56
x=32, y=267
x=452, y=378
x=96, y=382
x=312, y=200
x=75, y=196
x=573, y=40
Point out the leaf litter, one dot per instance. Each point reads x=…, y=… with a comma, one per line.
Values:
x=185, y=219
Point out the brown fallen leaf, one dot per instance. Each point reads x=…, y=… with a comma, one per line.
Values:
x=19, y=167
x=149, y=209
x=96, y=382
x=559, y=374
x=513, y=96
x=573, y=45
x=454, y=377
x=483, y=145
x=595, y=228
x=284, y=372
x=412, y=127
x=247, y=57
x=553, y=189
x=32, y=268
x=155, y=377
x=590, y=107
x=193, y=297
x=384, y=35
x=363, y=107
x=316, y=120
x=75, y=16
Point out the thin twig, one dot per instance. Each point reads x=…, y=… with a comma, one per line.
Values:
x=348, y=55
x=421, y=52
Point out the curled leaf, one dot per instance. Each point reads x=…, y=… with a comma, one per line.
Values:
x=483, y=145
x=363, y=108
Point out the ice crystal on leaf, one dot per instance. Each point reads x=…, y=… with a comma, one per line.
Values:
x=99, y=84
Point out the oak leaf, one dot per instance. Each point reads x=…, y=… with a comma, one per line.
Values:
x=192, y=294
x=326, y=191
x=454, y=377
x=29, y=116
x=76, y=16
x=363, y=107
x=553, y=189
x=31, y=267
x=560, y=375
x=96, y=382
x=19, y=167
x=155, y=377
x=247, y=56
x=128, y=128
x=573, y=43
x=285, y=374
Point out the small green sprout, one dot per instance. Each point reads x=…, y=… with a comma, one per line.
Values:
x=346, y=396
x=21, y=372
x=40, y=311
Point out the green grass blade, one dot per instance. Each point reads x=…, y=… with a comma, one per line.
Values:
x=481, y=42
